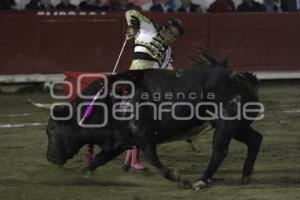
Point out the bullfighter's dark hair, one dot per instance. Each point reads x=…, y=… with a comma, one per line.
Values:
x=176, y=23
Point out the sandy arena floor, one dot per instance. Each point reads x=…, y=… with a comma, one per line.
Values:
x=25, y=172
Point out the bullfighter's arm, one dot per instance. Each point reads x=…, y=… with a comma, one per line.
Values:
x=136, y=21
x=134, y=18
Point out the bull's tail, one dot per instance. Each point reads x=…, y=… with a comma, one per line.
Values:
x=40, y=105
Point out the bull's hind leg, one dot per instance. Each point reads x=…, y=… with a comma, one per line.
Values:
x=253, y=140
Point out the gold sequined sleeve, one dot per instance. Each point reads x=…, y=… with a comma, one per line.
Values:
x=134, y=18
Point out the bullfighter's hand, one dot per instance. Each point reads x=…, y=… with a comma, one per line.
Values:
x=131, y=33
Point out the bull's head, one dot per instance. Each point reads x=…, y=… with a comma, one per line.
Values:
x=63, y=137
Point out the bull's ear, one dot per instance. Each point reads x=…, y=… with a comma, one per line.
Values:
x=61, y=111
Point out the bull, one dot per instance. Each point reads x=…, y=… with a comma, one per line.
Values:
x=152, y=113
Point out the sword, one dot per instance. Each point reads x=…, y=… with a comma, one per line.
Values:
x=89, y=109
x=120, y=54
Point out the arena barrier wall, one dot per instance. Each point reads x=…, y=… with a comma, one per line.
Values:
x=54, y=42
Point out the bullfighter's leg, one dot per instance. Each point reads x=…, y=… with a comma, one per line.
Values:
x=132, y=160
x=135, y=161
x=253, y=140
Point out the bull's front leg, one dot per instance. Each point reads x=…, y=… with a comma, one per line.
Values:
x=150, y=154
x=220, y=149
x=144, y=136
x=101, y=159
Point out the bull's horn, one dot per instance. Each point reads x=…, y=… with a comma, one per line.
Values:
x=40, y=105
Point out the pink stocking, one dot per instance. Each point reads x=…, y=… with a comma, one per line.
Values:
x=128, y=158
x=135, y=162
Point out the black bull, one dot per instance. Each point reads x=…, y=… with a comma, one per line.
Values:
x=210, y=84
